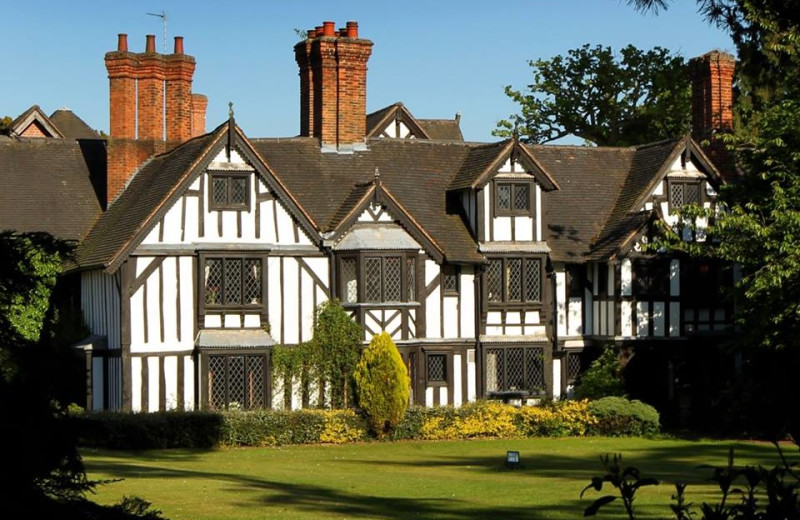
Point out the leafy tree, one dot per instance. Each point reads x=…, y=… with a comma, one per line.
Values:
x=337, y=347
x=638, y=97
x=603, y=378
x=5, y=122
x=382, y=384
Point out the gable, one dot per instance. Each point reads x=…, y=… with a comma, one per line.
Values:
x=376, y=229
x=33, y=123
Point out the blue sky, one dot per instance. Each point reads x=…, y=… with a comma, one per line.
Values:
x=437, y=56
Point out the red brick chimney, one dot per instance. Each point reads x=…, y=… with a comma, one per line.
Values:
x=333, y=85
x=712, y=106
x=152, y=108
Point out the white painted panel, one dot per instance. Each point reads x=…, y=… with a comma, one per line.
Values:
x=598, y=322
x=391, y=129
x=212, y=321
x=457, y=378
x=152, y=236
x=492, y=330
x=267, y=222
x=97, y=384
x=514, y=330
x=188, y=383
x=285, y=226
x=513, y=318
x=152, y=367
x=561, y=298
x=232, y=321
x=136, y=384
x=610, y=316
x=658, y=318
x=100, y=305
x=319, y=266
x=502, y=229
x=538, y=223
x=575, y=320
x=471, y=376
x=297, y=394
x=230, y=229
x=403, y=130
x=626, y=318
x=675, y=277
x=536, y=330
x=443, y=395
x=641, y=319
x=626, y=278
x=486, y=205
x=171, y=381
x=153, y=310
x=494, y=318
x=431, y=271
x=532, y=317
x=187, y=288
x=290, y=302
x=170, y=298
x=429, y=396
x=589, y=306
x=195, y=185
x=467, y=303
x=252, y=321
x=192, y=221
x=277, y=393
x=274, y=298
x=659, y=189
x=172, y=223
x=307, y=306
x=137, y=317
x=523, y=228
x=674, y=319
x=611, y=280
x=433, y=314
x=507, y=167
x=556, y=378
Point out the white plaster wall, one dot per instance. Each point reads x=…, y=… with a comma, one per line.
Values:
x=575, y=317
x=432, y=308
x=451, y=320
x=626, y=318
x=471, y=376
x=658, y=318
x=457, y=378
x=626, y=277
x=467, y=302
x=556, y=378
x=502, y=229
x=561, y=302
x=641, y=319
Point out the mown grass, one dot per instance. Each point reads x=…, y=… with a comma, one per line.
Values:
x=458, y=480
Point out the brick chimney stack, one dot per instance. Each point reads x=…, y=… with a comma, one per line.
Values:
x=152, y=108
x=333, y=85
x=712, y=106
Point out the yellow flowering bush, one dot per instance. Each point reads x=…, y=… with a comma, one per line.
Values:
x=556, y=419
x=342, y=426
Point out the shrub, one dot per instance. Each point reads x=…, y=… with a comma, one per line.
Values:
x=618, y=416
x=147, y=431
x=603, y=378
x=557, y=419
x=278, y=427
x=382, y=384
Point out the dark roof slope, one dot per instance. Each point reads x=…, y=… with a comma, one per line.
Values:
x=417, y=172
x=147, y=191
x=479, y=158
x=444, y=129
x=71, y=126
x=49, y=185
x=375, y=118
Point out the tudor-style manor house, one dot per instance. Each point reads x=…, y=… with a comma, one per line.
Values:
x=492, y=265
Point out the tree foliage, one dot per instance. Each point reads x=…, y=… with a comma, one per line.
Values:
x=603, y=378
x=607, y=99
x=382, y=384
x=337, y=343
x=5, y=122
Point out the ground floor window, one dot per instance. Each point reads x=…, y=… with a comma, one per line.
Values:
x=515, y=369
x=436, y=369
x=237, y=381
x=574, y=366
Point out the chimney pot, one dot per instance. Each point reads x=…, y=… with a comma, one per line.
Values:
x=312, y=33
x=150, y=47
x=328, y=28
x=122, y=42
x=352, y=29
x=318, y=31
x=178, y=45
x=343, y=32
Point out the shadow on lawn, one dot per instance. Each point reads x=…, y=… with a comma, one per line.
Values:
x=318, y=499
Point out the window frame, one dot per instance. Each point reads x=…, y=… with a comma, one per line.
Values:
x=649, y=267
x=245, y=353
x=448, y=270
x=361, y=258
x=202, y=287
x=504, y=302
x=504, y=350
x=228, y=205
x=684, y=183
x=513, y=184
x=447, y=367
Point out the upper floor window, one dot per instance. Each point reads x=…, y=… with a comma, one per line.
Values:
x=512, y=198
x=683, y=193
x=450, y=279
x=233, y=282
x=651, y=278
x=229, y=191
x=514, y=280
x=377, y=278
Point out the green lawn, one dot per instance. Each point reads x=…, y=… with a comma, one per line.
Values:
x=459, y=480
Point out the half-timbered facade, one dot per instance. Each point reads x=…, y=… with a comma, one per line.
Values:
x=493, y=266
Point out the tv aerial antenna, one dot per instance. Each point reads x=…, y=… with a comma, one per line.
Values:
x=163, y=16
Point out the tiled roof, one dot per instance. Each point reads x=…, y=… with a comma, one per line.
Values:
x=49, y=185
x=148, y=190
x=71, y=126
x=416, y=172
x=479, y=158
x=445, y=129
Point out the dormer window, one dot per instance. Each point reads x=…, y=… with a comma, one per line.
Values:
x=230, y=191
x=512, y=198
x=682, y=193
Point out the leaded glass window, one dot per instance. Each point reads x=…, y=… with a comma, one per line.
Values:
x=494, y=281
x=533, y=279
x=514, y=280
x=233, y=282
x=503, y=197
x=513, y=277
x=512, y=198
x=515, y=369
x=411, y=276
x=373, y=279
x=229, y=192
x=450, y=279
x=237, y=381
x=683, y=193
x=384, y=278
x=349, y=280
x=437, y=367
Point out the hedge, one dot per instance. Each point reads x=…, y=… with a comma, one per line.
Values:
x=614, y=416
